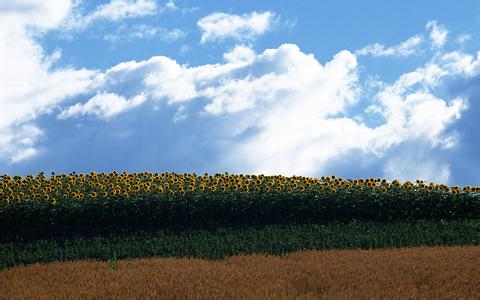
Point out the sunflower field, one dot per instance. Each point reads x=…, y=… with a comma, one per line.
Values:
x=100, y=216
x=37, y=205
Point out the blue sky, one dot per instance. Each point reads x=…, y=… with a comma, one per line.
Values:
x=358, y=89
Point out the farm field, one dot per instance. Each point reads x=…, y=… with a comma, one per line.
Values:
x=405, y=273
x=164, y=236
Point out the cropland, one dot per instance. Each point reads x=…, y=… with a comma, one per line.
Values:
x=168, y=235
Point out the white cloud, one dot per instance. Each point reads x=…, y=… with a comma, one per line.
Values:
x=171, y=5
x=438, y=34
x=297, y=107
x=115, y=10
x=41, y=14
x=239, y=54
x=284, y=70
x=172, y=35
x=405, y=105
x=405, y=168
x=119, y=9
x=170, y=81
x=124, y=33
x=18, y=143
x=420, y=79
x=29, y=85
x=458, y=63
x=405, y=48
x=298, y=132
x=463, y=38
x=217, y=26
x=104, y=105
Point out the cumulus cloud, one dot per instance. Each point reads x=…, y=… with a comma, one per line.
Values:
x=238, y=54
x=438, y=34
x=458, y=63
x=103, y=105
x=44, y=15
x=244, y=80
x=17, y=144
x=300, y=134
x=297, y=107
x=217, y=26
x=404, y=49
x=29, y=85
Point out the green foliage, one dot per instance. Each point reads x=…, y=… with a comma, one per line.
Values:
x=141, y=215
x=204, y=210
x=215, y=244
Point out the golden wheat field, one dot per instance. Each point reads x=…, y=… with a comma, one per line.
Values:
x=409, y=273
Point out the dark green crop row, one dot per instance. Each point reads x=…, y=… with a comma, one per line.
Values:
x=222, y=242
x=204, y=210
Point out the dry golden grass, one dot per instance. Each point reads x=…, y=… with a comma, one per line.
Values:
x=407, y=273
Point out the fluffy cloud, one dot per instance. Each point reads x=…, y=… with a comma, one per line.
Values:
x=239, y=54
x=44, y=15
x=297, y=107
x=18, y=144
x=458, y=63
x=217, y=26
x=299, y=135
x=103, y=105
x=29, y=84
x=281, y=70
x=438, y=34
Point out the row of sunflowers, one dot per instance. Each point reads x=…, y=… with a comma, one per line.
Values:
x=81, y=186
